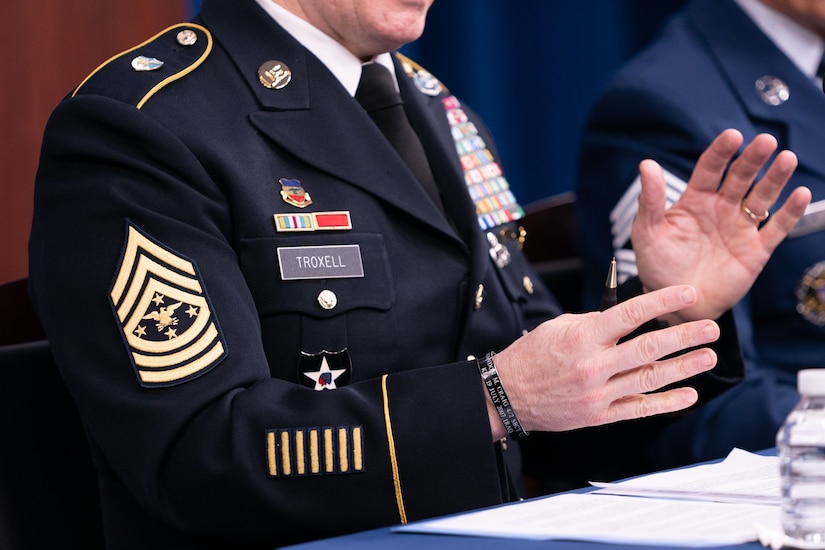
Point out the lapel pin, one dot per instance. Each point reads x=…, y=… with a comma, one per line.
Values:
x=772, y=90
x=274, y=74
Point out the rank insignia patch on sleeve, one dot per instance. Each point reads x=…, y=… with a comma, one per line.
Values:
x=164, y=314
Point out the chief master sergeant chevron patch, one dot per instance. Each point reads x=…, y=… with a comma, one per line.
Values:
x=164, y=314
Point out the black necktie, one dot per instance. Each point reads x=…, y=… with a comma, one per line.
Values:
x=377, y=94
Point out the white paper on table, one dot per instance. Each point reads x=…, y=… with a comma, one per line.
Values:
x=742, y=477
x=611, y=518
x=596, y=516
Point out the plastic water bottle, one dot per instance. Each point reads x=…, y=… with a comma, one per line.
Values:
x=801, y=446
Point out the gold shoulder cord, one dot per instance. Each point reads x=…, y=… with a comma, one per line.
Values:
x=167, y=80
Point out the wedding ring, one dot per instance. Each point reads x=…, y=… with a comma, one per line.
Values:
x=758, y=218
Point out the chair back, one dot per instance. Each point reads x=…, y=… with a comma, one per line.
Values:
x=48, y=483
x=18, y=320
x=551, y=247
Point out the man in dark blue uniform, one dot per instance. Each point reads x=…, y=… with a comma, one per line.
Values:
x=275, y=332
x=668, y=104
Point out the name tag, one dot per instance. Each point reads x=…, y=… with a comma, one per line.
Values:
x=320, y=262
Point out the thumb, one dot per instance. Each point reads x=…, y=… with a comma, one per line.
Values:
x=652, y=198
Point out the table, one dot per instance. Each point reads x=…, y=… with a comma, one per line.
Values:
x=381, y=539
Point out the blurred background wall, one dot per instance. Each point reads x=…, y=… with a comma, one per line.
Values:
x=530, y=68
x=48, y=49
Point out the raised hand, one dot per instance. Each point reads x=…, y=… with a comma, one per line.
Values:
x=714, y=238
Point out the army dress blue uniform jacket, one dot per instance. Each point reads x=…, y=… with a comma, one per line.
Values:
x=195, y=325
x=263, y=318
x=713, y=69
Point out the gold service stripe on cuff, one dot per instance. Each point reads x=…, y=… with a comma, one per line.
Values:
x=399, y=497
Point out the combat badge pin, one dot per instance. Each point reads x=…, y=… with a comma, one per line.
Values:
x=325, y=370
x=294, y=193
x=142, y=63
x=810, y=295
x=274, y=74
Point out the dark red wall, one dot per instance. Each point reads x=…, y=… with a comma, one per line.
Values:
x=47, y=48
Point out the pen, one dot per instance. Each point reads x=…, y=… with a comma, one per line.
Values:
x=609, y=297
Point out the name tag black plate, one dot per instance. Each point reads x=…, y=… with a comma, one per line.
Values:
x=320, y=262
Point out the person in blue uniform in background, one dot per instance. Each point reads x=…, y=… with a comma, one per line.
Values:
x=277, y=329
x=752, y=65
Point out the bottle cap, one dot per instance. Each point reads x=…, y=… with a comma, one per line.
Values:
x=811, y=381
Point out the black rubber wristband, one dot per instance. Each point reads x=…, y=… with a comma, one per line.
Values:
x=492, y=382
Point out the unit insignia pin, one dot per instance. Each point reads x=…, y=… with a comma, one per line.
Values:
x=143, y=63
x=326, y=370
x=274, y=74
x=294, y=193
x=772, y=90
x=810, y=295
x=423, y=80
x=427, y=83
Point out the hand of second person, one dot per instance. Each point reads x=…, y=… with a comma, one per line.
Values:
x=570, y=372
x=712, y=238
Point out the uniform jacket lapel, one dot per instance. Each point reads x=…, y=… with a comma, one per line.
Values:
x=803, y=116
x=314, y=106
x=429, y=118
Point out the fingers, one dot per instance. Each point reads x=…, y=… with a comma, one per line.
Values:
x=738, y=184
x=625, y=317
x=746, y=167
x=653, y=375
x=764, y=194
x=709, y=170
x=633, y=386
x=784, y=219
x=640, y=406
x=714, y=161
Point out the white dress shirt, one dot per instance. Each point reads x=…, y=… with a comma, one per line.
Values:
x=802, y=46
x=340, y=61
